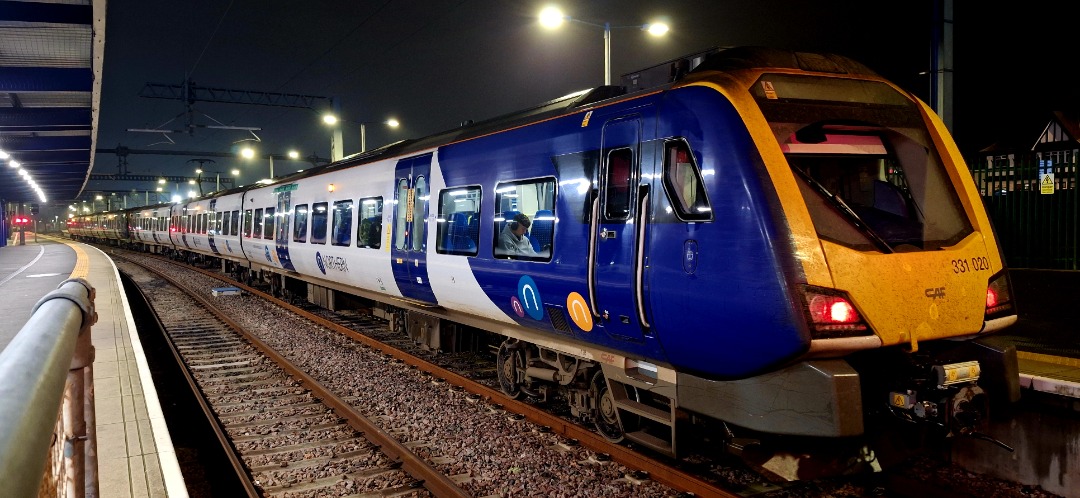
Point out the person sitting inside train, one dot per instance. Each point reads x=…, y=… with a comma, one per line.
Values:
x=513, y=240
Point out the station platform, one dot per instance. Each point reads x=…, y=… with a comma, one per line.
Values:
x=135, y=453
x=136, y=457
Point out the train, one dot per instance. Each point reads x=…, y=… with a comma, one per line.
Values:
x=781, y=244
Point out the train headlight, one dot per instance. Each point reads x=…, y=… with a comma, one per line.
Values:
x=831, y=314
x=999, y=300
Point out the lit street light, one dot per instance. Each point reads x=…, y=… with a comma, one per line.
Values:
x=552, y=17
x=393, y=123
x=249, y=153
x=217, y=178
x=333, y=120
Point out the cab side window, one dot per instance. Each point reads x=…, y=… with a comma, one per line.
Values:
x=683, y=183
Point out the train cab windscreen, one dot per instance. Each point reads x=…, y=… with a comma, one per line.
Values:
x=864, y=162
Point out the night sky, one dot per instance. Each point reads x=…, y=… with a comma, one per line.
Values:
x=433, y=64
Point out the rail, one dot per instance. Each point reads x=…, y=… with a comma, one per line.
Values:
x=47, y=435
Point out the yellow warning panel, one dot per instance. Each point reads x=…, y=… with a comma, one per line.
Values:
x=1046, y=185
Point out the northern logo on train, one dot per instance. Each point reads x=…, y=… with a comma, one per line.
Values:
x=528, y=296
x=336, y=263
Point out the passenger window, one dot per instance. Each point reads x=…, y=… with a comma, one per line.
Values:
x=300, y=223
x=257, y=228
x=525, y=219
x=342, y=234
x=618, y=184
x=369, y=231
x=683, y=183
x=458, y=223
x=248, y=221
x=268, y=224
x=319, y=213
x=235, y=223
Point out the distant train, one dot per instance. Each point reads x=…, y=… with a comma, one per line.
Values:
x=781, y=242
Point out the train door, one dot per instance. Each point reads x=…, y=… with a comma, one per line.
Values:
x=615, y=232
x=214, y=222
x=411, y=196
x=281, y=228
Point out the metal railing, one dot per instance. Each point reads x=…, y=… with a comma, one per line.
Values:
x=1034, y=205
x=48, y=443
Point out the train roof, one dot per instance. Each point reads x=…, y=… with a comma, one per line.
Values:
x=739, y=58
x=654, y=78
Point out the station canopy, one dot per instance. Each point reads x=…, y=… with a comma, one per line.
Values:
x=50, y=88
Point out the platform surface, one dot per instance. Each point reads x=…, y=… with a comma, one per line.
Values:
x=136, y=457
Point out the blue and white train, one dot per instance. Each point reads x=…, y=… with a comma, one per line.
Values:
x=782, y=242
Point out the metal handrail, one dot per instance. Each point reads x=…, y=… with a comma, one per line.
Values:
x=46, y=397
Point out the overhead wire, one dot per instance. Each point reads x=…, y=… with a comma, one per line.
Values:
x=211, y=39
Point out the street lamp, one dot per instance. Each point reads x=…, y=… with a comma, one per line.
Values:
x=552, y=17
x=333, y=120
x=217, y=178
x=249, y=153
x=393, y=123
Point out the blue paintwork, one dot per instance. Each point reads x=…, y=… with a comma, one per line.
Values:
x=735, y=314
x=410, y=266
x=731, y=315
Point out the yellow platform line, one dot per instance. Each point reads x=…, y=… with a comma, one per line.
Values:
x=1046, y=358
x=82, y=262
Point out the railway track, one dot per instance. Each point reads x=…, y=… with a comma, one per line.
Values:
x=289, y=435
x=469, y=379
x=473, y=384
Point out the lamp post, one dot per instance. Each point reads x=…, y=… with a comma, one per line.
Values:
x=333, y=120
x=249, y=153
x=393, y=123
x=217, y=178
x=552, y=17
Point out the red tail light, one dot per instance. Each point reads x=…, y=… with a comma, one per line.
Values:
x=832, y=314
x=999, y=296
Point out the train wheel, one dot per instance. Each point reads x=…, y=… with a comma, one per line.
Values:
x=607, y=414
x=509, y=363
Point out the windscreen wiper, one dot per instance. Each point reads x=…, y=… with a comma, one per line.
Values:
x=842, y=206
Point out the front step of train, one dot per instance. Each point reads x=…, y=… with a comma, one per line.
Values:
x=628, y=408
x=633, y=410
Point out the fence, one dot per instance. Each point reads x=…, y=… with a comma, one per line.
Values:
x=1033, y=204
x=48, y=445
